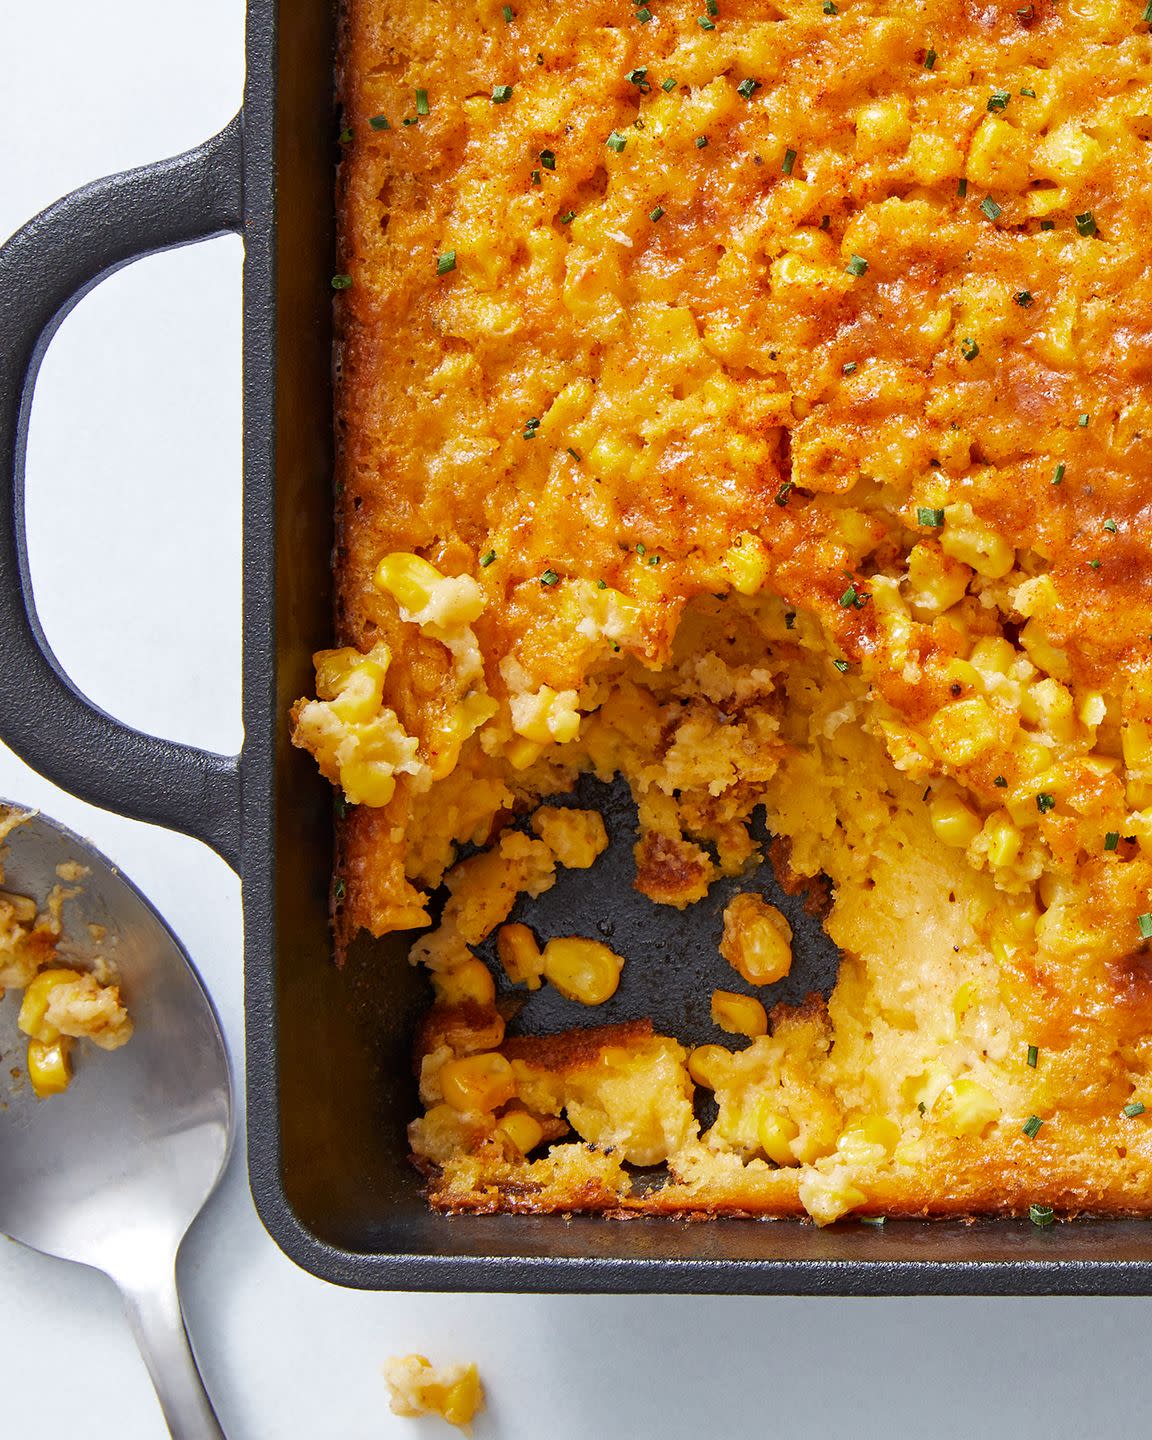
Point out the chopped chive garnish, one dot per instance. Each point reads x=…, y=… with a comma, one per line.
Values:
x=341, y=282
x=1145, y=923
x=643, y=15
x=1111, y=840
x=1110, y=526
x=1041, y=1215
x=601, y=584
x=422, y=102
x=789, y=161
x=1082, y=421
x=1095, y=564
x=653, y=559
x=446, y=262
x=830, y=8
x=856, y=266
x=848, y=600
x=999, y=99
x=782, y=494
x=704, y=22
x=841, y=665
x=969, y=348
x=1027, y=90
x=616, y=142
x=537, y=178
x=962, y=187
x=1023, y=298
x=1086, y=223
x=929, y=59
x=1045, y=802
x=487, y=558
x=1033, y=1055
x=667, y=85
x=1000, y=782
x=656, y=213
x=848, y=367
x=339, y=890
x=931, y=519
x=548, y=159
x=410, y=120
x=701, y=141
x=501, y=94
x=1031, y=1126
x=567, y=219
x=638, y=77
x=712, y=7
x=1147, y=15
x=1131, y=1111
x=549, y=577
x=379, y=122
x=990, y=208
x=876, y=1220
x=346, y=135
x=748, y=88
x=1047, y=224
x=574, y=453
x=1058, y=473
x=508, y=13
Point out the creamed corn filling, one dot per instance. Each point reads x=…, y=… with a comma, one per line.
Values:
x=758, y=409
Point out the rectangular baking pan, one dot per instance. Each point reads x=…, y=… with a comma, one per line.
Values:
x=330, y=1084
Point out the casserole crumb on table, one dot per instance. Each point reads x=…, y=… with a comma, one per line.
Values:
x=755, y=404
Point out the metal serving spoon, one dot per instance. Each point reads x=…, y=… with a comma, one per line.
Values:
x=113, y=1172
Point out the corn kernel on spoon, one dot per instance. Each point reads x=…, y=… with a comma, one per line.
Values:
x=113, y=1172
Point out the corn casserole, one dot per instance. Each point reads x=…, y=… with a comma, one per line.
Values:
x=748, y=398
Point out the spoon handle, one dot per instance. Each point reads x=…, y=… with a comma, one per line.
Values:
x=153, y=1307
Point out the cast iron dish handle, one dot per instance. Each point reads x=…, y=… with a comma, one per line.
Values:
x=45, y=268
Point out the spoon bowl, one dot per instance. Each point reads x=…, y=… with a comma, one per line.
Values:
x=113, y=1172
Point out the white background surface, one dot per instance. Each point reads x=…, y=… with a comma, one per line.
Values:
x=134, y=517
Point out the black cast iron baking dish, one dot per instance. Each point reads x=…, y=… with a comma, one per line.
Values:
x=329, y=1077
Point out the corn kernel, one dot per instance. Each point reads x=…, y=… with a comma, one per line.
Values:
x=463, y=983
x=747, y=564
x=34, y=1006
x=953, y=822
x=478, y=1082
x=936, y=580
x=965, y=1107
x=1004, y=839
x=1043, y=654
x=520, y=955
x=969, y=540
x=827, y=1197
x=993, y=655
x=739, y=1014
x=49, y=1067
x=583, y=970
x=757, y=940
x=409, y=579
x=866, y=1134
x=522, y=1130
x=706, y=1065
x=775, y=1133
x=546, y=715
x=964, y=730
x=882, y=125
